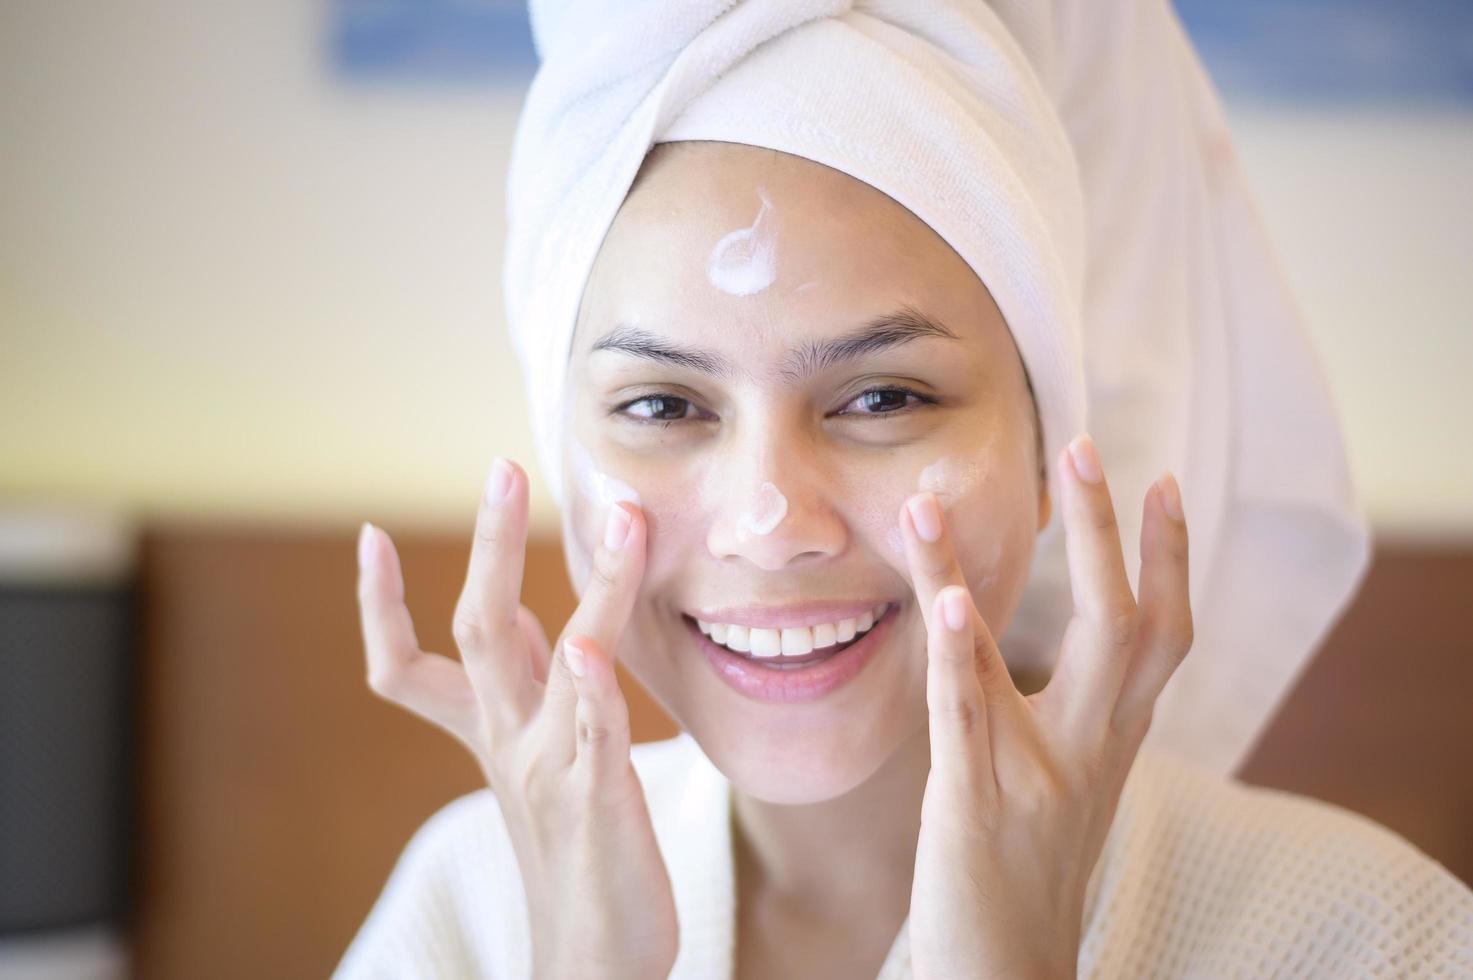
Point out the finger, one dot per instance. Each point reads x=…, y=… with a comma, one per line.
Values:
x=602, y=720
x=933, y=567
x=1100, y=638
x=960, y=746
x=1165, y=603
x=486, y=626
x=432, y=686
x=618, y=564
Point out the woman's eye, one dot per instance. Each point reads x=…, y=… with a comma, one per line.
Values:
x=666, y=409
x=884, y=401
x=658, y=408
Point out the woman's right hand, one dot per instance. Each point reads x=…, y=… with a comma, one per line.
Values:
x=551, y=733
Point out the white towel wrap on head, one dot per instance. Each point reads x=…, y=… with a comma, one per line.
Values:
x=1073, y=153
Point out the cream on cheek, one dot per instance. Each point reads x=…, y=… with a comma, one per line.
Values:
x=671, y=495
x=960, y=486
x=596, y=486
x=598, y=491
x=953, y=478
x=983, y=493
x=992, y=511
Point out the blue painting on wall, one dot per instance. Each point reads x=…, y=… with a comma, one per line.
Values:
x=1317, y=52
x=1336, y=52
x=444, y=42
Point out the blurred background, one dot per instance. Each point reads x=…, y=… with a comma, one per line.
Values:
x=249, y=297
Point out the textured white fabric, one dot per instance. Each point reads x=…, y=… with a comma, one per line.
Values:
x=1200, y=876
x=1074, y=154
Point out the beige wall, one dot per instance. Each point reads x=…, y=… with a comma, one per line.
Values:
x=229, y=286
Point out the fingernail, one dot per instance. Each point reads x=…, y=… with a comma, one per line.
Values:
x=365, y=543
x=575, y=657
x=954, y=608
x=1086, y=459
x=616, y=529
x=925, y=514
x=498, y=484
x=1170, y=496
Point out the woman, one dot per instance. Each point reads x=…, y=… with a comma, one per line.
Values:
x=809, y=298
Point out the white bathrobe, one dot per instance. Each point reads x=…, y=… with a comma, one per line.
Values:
x=1200, y=876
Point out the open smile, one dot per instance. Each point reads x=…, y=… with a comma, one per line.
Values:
x=792, y=663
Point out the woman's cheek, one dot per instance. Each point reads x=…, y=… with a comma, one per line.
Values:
x=594, y=492
x=877, y=516
x=669, y=502
x=672, y=512
x=994, y=535
x=977, y=526
x=961, y=490
x=990, y=515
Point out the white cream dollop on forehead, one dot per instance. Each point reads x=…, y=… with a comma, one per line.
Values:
x=745, y=261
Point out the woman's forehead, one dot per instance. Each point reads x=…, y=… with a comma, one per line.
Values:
x=695, y=194
x=721, y=239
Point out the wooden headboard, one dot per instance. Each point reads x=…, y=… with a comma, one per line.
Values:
x=276, y=791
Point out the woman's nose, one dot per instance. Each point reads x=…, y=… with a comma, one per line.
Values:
x=773, y=517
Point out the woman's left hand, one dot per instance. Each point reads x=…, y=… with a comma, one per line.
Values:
x=1022, y=790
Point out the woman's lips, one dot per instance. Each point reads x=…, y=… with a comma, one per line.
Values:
x=823, y=672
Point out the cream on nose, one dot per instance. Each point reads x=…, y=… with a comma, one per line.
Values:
x=765, y=510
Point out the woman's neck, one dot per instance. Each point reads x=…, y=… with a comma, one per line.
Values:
x=858, y=846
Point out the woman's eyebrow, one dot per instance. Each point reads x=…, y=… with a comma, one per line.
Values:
x=883, y=332
x=641, y=343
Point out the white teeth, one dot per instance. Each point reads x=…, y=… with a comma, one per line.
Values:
x=766, y=642
x=791, y=641
x=797, y=641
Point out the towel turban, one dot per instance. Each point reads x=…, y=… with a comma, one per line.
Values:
x=1074, y=154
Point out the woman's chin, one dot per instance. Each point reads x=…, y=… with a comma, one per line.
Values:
x=775, y=769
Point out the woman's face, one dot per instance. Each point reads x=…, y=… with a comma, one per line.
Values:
x=773, y=356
